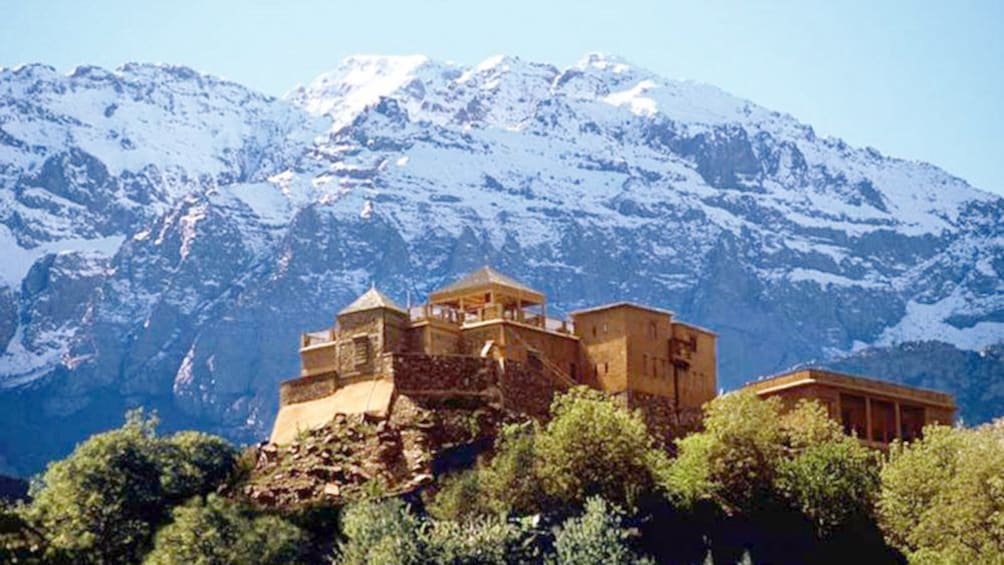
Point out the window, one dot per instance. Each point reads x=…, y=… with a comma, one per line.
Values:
x=361, y=350
x=594, y=331
x=606, y=368
x=652, y=330
x=605, y=327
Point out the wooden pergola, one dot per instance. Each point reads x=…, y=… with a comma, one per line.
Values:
x=486, y=288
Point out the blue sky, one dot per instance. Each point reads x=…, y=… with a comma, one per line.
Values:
x=914, y=79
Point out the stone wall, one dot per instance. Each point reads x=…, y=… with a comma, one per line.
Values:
x=527, y=390
x=417, y=373
x=662, y=420
x=307, y=388
x=522, y=388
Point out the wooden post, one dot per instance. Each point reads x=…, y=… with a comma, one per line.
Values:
x=868, y=418
x=899, y=422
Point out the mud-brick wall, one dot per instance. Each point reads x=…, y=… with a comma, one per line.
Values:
x=662, y=420
x=527, y=390
x=307, y=388
x=415, y=373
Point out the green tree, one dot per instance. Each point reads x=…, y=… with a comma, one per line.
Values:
x=103, y=503
x=734, y=460
x=591, y=447
x=216, y=531
x=597, y=537
x=828, y=476
x=195, y=462
x=380, y=533
x=831, y=483
x=942, y=497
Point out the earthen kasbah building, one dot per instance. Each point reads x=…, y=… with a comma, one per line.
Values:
x=488, y=337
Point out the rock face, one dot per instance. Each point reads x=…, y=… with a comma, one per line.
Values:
x=166, y=235
x=335, y=463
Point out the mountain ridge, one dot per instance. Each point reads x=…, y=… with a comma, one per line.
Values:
x=174, y=232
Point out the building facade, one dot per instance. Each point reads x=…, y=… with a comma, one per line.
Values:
x=641, y=354
x=875, y=411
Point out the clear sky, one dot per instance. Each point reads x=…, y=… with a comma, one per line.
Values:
x=915, y=79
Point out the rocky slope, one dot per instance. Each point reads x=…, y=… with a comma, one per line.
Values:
x=166, y=235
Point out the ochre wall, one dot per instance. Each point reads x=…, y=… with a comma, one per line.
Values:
x=698, y=380
x=472, y=340
x=603, y=335
x=560, y=349
x=318, y=359
x=395, y=329
x=649, y=364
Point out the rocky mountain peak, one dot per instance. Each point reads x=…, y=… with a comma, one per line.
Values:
x=167, y=235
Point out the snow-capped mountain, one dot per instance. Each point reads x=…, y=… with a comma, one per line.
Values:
x=166, y=235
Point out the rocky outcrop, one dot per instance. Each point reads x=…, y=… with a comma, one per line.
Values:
x=338, y=462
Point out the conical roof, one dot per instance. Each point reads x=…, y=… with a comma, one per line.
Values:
x=369, y=300
x=483, y=277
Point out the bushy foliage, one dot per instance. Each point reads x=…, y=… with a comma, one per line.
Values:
x=597, y=537
x=216, y=531
x=487, y=540
x=195, y=462
x=380, y=533
x=828, y=476
x=752, y=456
x=103, y=503
x=590, y=447
x=734, y=460
x=593, y=448
x=385, y=532
x=942, y=497
x=19, y=542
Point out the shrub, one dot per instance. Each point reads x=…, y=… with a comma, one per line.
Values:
x=942, y=497
x=380, y=533
x=485, y=540
x=831, y=483
x=595, y=538
x=216, y=531
x=734, y=461
x=195, y=463
x=591, y=447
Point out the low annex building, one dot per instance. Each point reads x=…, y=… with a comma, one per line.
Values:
x=875, y=411
x=489, y=336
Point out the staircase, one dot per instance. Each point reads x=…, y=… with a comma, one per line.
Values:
x=550, y=368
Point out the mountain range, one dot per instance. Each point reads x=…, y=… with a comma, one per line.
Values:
x=166, y=235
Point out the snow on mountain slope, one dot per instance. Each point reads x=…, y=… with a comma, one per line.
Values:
x=166, y=235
